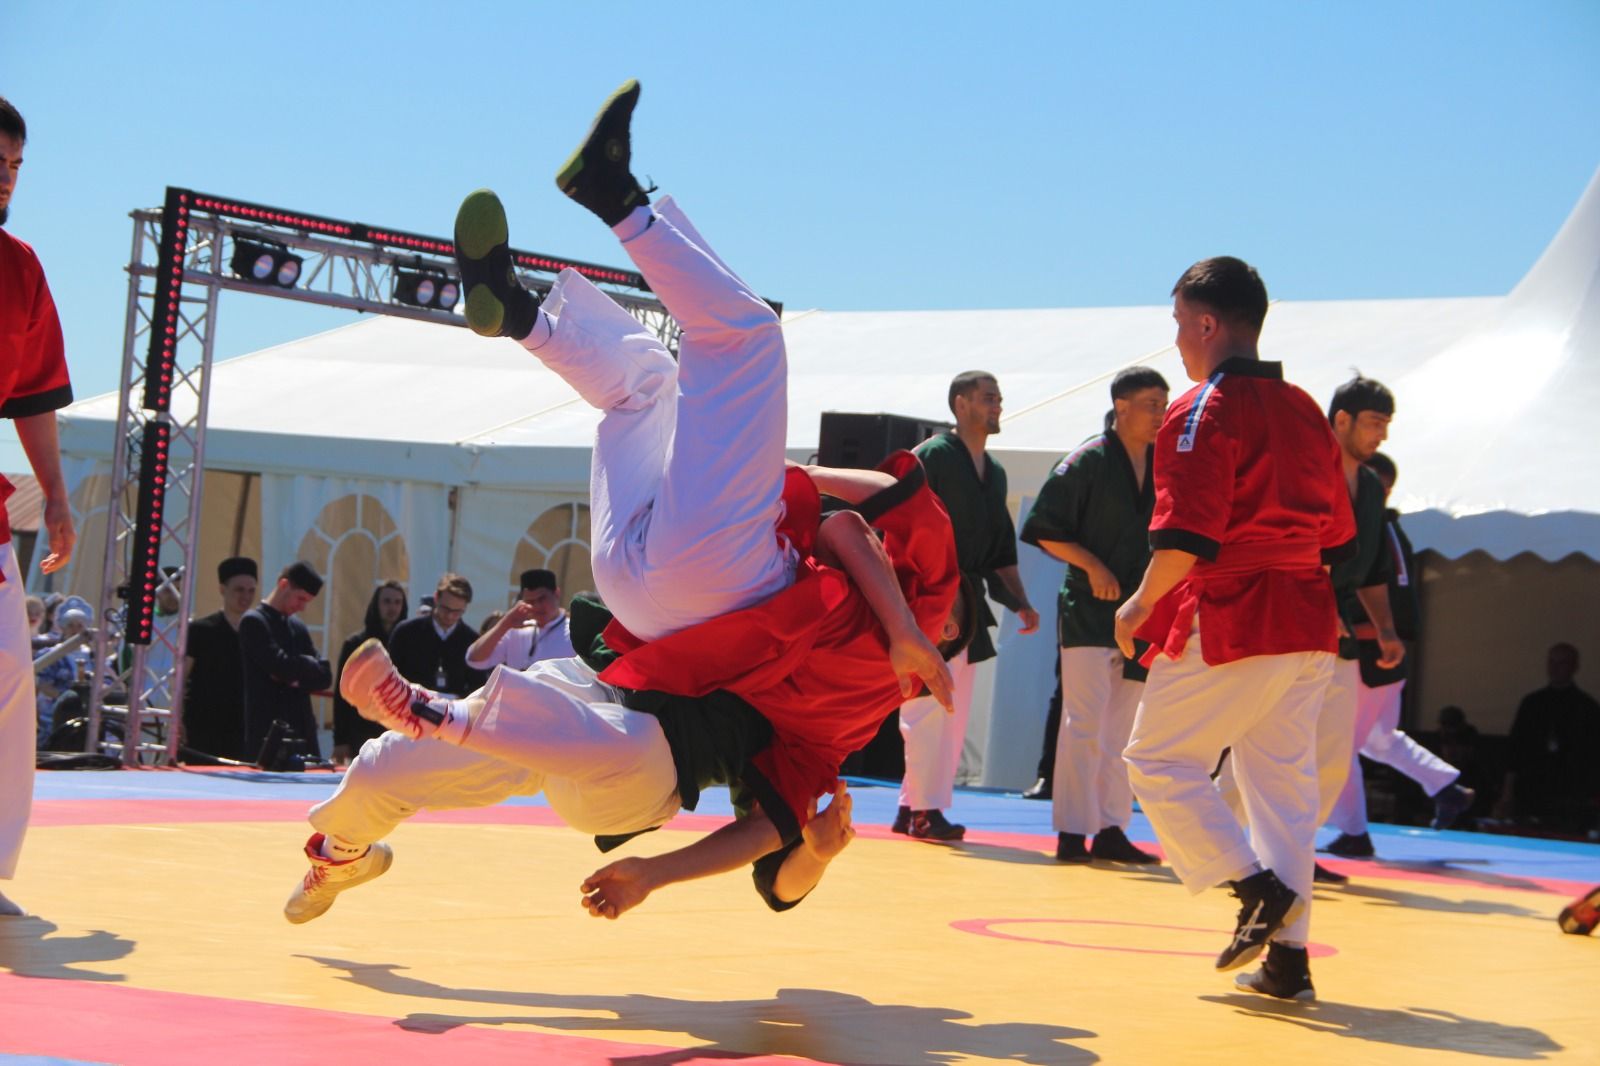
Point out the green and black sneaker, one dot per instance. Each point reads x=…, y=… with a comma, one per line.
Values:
x=497, y=304
x=597, y=175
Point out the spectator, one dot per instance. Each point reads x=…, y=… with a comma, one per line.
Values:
x=213, y=703
x=385, y=610
x=46, y=635
x=58, y=667
x=534, y=628
x=432, y=651
x=1554, y=741
x=35, y=608
x=281, y=665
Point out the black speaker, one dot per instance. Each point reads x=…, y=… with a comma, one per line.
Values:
x=863, y=441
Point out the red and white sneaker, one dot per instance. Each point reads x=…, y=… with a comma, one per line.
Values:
x=378, y=692
x=329, y=877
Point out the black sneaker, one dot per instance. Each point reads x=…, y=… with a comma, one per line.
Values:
x=1581, y=915
x=1285, y=974
x=1039, y=790
x=1451, y=803
x=1266, y=906
x=1321, y=875
x=902, y=820
x=597, y=175
x=1069, y=848
x=497, y=305
x=932, y=825
x=1111, y=844
x=1351, y=846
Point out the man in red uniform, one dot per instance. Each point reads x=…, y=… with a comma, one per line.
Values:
x=1236, y=602
x=33, y=386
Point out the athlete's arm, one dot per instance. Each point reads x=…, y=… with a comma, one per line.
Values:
x=1375, y=598
x=1168, y=566
x=851, y=486
x=1102, y=582
x=845, y=540
x=37, y=433
x=822, y=839
x=1012, y=580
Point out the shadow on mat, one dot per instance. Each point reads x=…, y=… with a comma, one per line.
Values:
x=1456, y=871
x=28, y=950
x=808, y=1022
x=1418, y=1027
x=1421, y=901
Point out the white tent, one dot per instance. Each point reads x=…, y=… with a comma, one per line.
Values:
x=392, y=448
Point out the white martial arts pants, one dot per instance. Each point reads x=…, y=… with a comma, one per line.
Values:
x=933, y=738
x=553, y=728
x=1336, y=735
x=1378, y=724
x=687, y=474
x=1091, y=789
x=18, y=715
x=1264, y=708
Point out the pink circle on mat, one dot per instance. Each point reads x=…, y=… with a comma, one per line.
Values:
x=985, y=927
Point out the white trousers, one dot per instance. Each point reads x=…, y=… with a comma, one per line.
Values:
x=18, y=715
x=553, y=728
x=1336, y=735
x=933, y=739
x=1265, y=708
x=1091, y=791
x=1382, y=740
x=687, y=475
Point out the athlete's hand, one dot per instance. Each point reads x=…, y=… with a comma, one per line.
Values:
x=58, y=526
x=916, y=662
x=617, y=888
x=1104, y=584
x=829, y=833
x=1130, y=616
x=1391, y=650
x=1030, y=620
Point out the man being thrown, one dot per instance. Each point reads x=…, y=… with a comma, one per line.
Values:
x=1250, y=505
x=701, y=540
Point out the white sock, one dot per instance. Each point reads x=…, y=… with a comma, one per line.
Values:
x=339, y=849
x=457, y=721
x=638, y=220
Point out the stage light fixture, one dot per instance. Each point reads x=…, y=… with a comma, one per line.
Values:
x=265, y=263
x=423, y=289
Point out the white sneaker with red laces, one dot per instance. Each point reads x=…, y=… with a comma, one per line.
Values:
x=328, y=877
x=378, y=692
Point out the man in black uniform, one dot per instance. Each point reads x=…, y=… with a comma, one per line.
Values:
x=281, y=665
x=431, y=650
x=1093, y=513
x=213, y=701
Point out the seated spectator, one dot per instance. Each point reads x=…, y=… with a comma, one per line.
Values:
x=1555, y=739
x=385, y=610
x=35, y=608
x=534, y=628
x=46, y=635
x=67, y=661
x=432, y=650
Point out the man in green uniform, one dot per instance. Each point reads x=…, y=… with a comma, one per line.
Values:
x=972, y=487
x=1093, y=513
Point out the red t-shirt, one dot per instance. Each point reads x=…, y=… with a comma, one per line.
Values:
x=1248, y=477
x=33, y=364
x=812, y=658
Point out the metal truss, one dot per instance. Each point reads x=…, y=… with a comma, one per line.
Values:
x=344, y=264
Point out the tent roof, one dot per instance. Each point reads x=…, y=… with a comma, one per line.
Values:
x=1493, y=394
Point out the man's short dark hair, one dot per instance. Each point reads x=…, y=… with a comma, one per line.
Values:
x=11, y=123
x=538, y=579
x=963, y=384
x=455, y=585
x=1229, y=288
x=303, y=576
x=235, y=566
x=1132, y=379
x=1361, y=394
x=1384, y=467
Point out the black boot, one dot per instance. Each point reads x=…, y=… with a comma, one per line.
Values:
x=497, y=304
x=1111, y=844
x=1069, y=848
x=1266, y=905
x=597, y=175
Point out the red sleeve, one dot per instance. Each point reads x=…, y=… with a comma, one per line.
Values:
x=919, y=541
x=1196, y=462
x=797, y=776
x=35, y=351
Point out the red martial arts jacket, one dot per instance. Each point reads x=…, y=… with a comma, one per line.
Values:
x=33, y=365
x=1248, y=477
x=812, y=658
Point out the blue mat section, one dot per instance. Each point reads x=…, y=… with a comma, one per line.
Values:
x=1478, y=857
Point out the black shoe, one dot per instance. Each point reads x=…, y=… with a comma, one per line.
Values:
x=1285, y=974
x=1039, y=790
x=597, y=174
x=1266, y=906
x=1321, y=875
x=1581, y=915
x=497, y=305
x=1111, y=844
x=1451, y=803
x=902, y=820
x=932, y=825
x=1069, y=848
x=1351, y=846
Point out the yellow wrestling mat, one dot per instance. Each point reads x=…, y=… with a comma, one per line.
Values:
x=164, y=943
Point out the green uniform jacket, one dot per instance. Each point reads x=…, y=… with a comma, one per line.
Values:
x=986, y=538
x=1092, y=499
x=1370, y=564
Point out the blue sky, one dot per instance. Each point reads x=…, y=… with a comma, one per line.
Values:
x=842, y=155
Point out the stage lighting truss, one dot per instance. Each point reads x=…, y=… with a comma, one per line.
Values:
x=184, y=255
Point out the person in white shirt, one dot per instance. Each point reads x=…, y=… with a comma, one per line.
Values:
x=535, y=628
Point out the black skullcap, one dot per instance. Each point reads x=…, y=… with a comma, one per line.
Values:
x=539, y=579
x=232, y=567
x=303, y=576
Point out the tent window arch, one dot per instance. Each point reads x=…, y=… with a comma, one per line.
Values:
x=557, y=540
x=356, y=545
